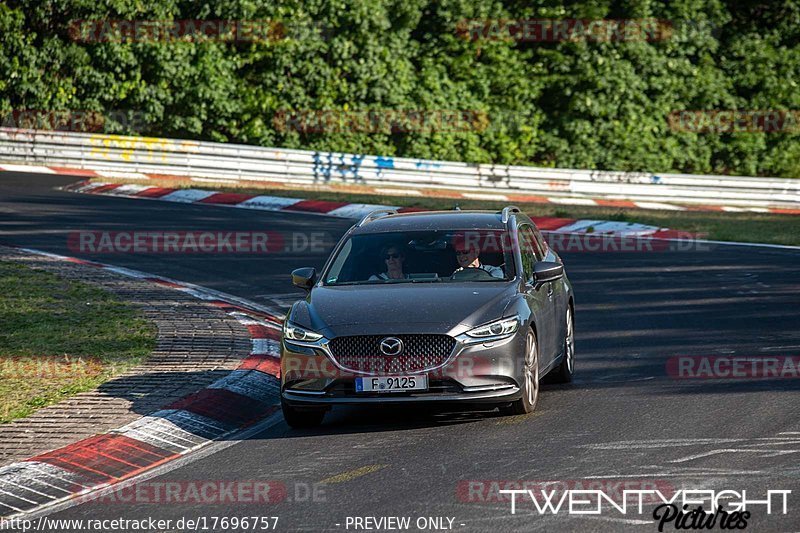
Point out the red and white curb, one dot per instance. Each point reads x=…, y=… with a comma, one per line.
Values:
x=240, y=200
x=449, y=193
x=238, y=400
x=348, y=210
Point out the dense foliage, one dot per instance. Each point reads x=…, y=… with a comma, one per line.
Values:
x=583, y=102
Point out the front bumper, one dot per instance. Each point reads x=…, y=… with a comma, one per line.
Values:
x=508, y=394
x=475, y=372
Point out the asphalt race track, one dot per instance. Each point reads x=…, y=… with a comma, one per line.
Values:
x=624, y=417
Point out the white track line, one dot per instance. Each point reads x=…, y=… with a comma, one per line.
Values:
x=572, y=201
x=659, y=205
x=27, y=168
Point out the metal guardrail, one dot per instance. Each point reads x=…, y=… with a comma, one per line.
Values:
x=233, y=162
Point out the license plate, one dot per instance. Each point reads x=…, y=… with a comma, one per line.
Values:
x=392, y=383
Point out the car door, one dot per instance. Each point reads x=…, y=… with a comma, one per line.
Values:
x=560, y=296
x=540, y=300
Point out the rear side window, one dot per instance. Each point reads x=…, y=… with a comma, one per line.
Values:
x=527, y=247
x=542, y=244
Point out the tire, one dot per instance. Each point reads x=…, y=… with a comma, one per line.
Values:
x=530, y=383
x=564, y=372
x=302, y=418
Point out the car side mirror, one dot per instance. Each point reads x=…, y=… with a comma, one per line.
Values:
x=545, y=271
x=304, y=277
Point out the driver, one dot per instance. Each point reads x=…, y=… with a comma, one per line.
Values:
x=394, y=258
x=467, y=255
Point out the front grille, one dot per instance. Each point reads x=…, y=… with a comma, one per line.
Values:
x=362, y=353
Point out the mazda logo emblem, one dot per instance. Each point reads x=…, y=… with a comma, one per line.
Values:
x=391, y=346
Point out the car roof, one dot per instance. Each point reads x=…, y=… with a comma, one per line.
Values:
x=434, y=220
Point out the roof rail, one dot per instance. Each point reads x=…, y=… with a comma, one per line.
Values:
x=506, y=213
x=369, y=217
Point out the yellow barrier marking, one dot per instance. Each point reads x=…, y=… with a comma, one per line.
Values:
x=102, y=145
x=352, y=474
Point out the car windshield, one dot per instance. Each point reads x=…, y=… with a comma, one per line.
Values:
x=479, y=256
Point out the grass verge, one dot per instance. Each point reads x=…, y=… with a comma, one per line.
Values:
x=61, y=337
x=715, y=225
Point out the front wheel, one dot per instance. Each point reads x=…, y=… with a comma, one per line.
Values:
x=530, y=380
x=563, y=373
x=302, y=418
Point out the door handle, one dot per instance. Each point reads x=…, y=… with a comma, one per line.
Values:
x=550, y=291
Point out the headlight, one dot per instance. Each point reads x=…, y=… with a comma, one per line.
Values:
x=504, y=326
x=296, y=333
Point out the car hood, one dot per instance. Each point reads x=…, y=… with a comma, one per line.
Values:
x=376, y=309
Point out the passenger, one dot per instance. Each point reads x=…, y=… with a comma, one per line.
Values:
x=468, y=256
x=394, y=259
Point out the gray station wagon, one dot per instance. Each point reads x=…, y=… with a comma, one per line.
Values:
x=468, y=307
